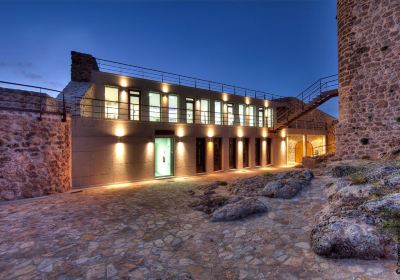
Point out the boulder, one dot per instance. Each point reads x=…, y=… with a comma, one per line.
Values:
x=343, y=170
x=208, y=204
x=387, y=206
x=250, y=186
x=284, y=188
x=351, y=237
x=305, y=174
x=239, y=209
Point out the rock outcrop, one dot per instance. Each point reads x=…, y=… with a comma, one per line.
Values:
x=239, y=209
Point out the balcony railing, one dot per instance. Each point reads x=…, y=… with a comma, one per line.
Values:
x=181, y=80
x=105, y=109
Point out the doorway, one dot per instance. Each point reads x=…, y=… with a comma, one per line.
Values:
x=164, y=157
x=232, y=153
x=245, y=152
x=258, y=152
x=269, y=150
x=200, y=155
x=217, y=154
x=299, y=151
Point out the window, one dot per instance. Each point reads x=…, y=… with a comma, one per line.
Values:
x=154, y=107
x=218, y=112
x=204, y=114
x=134, y=105
x=173, y=108
x=189, y=110
x=260, y=117
x=241, y=114
x=270, y=117
x=251, y=115
x=231, y=116
x=111, y=102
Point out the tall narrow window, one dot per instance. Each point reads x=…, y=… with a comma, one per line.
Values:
x=270, y=117
x=173, y=108
x=111, y=102
x=241, y=115
x=154, y=107
x=231, y=116
x=204, y=111
x=251, y=115
x=189, y=110
x=218, y=112
x=260, y=117
x=134, y=105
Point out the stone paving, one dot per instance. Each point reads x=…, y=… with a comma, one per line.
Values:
x=147, y=231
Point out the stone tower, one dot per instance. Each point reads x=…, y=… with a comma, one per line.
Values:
x=369, y=77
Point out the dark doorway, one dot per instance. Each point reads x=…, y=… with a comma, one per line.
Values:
x=232, y=153
x=200, y=155
x=245, y=152
x=258, y=152
x=217, y=154
x=269, y=161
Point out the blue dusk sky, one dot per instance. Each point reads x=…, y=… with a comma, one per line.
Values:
x=275, y=46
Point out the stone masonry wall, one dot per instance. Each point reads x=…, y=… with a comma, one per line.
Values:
x=369, y=78
x=35, y=154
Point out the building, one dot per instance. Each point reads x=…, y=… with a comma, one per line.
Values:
x=131, y=123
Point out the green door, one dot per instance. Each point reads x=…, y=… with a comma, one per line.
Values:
x=164, y=157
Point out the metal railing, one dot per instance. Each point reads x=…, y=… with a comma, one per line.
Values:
x=30, y=98
x=177, y=79
x=106, y=109
x=320, y=86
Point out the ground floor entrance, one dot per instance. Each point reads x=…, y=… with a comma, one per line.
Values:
x=164, y=157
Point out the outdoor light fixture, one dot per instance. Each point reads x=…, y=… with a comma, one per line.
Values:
x=209, y=139
x=240, y=138
x=119, y=139
x=179, y=139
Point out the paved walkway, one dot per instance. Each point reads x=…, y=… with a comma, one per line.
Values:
x=147, y=231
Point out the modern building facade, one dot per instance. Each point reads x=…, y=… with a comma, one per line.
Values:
x=131, y=123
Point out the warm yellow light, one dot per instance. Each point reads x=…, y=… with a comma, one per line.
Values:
x=180, y=148
x=120, y=152
x=123, y=82
x=266, y=103
x=239, y=132
x=265, y=133
x=283, y=133
x=124, y=96
x=210, y=132
x=225, y=97
x=180, y=132
x=165, y=100
x=165, y=88
x=247, y=100
x=119, y=131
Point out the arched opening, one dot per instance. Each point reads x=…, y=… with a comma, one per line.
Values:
x=299, y=151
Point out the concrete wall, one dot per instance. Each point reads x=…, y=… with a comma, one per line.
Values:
x=99, y=158
x=35, y=151
x=369, y=71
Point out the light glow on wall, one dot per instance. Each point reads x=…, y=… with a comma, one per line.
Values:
x=266, y=103
x=124, y=96
x=179, y=148
x=119, y=131
x=265, y=133
x=283, y=133
x=165, y=88
x=239, y=132
x=120, y=152
x=180, y=132
x=123, y=82
x=210, y=132
x=224, y=97
x=247, y=100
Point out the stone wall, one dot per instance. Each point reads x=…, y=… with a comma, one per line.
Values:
x=369, y=77
x=82, y=66
x=35, y=154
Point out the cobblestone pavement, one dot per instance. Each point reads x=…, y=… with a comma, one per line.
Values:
x=147, y=231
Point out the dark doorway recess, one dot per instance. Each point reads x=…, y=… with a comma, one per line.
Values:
x=232, y=153
x=200, y=155
x=245, y=152
x=269, y=145
x=258, y=152
x=217, y=154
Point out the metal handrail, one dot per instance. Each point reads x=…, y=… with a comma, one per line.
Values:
x=178, y=79
x=98, y=108
x=35, y=103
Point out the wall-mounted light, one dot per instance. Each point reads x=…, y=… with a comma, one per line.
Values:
x=240, y=138
x=165, y=88
x=179, y=139
x=210, y=139
x=119, y=139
